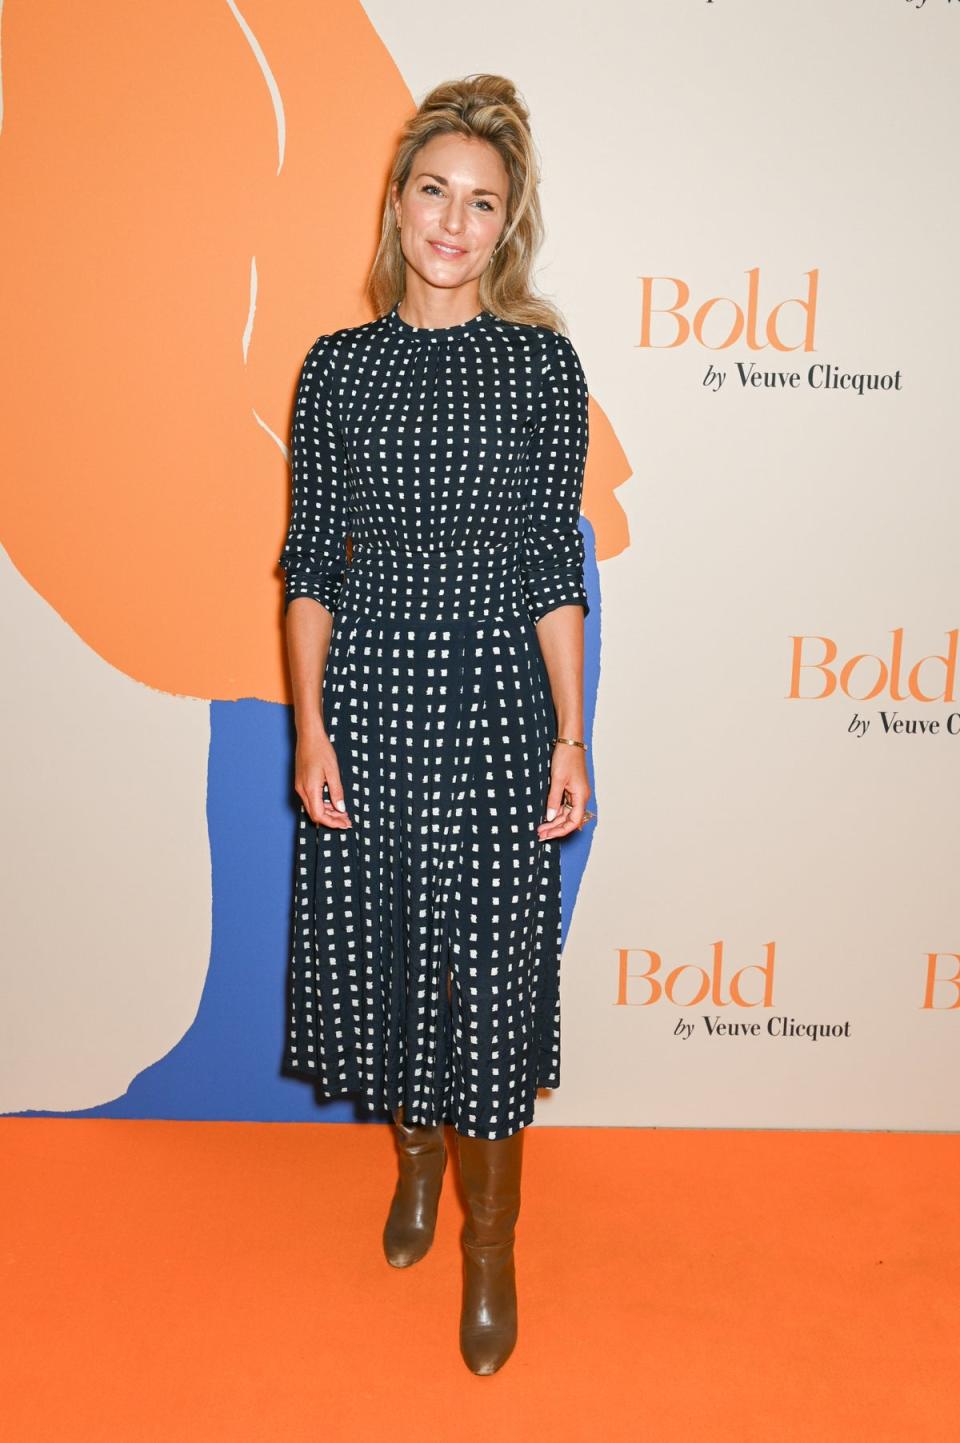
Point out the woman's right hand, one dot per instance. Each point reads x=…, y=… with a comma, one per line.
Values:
x=316, y=766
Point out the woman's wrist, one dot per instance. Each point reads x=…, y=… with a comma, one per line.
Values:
x=310, y=724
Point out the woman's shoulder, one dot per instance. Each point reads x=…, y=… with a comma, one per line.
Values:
x=331, y=342
x=557, y=355
x=549, y=341
x=547, y=348
x=332, y=350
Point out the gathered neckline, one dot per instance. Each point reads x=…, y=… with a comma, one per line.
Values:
x=396, y=321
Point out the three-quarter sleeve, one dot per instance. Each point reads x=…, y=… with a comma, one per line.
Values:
x=314, y=556
x=552, y=547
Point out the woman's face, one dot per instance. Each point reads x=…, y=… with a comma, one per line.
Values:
x=452, y=209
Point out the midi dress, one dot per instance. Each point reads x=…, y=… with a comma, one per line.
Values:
x=426, y=938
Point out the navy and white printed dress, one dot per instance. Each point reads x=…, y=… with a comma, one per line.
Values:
x=425, y=964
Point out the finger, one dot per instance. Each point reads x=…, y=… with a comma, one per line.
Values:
x=579, y=806
x=555, y=798
x=322, y=812
x=559, y=827
x=330, y=817
x=570, y=817
x=556, y=828
x=335, y=788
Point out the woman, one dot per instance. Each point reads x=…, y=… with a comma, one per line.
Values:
x=438, y=686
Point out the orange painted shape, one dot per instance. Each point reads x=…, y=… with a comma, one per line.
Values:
x=607, y=469
x=138, y=176
x=142, y=496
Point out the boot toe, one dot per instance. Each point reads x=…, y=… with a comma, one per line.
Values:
x=484, y=1350
x=402, y=1251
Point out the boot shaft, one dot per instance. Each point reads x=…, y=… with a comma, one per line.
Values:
x=490, y=1171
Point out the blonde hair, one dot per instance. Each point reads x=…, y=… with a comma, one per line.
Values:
x=483, y=107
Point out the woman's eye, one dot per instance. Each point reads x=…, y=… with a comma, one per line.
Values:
x=432, y=186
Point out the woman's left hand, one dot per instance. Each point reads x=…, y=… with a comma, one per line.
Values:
x=569, y=792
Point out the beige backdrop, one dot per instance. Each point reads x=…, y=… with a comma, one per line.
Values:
x=692, y=144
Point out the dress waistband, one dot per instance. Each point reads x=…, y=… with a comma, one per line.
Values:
x=389, y=555
x=462, y=583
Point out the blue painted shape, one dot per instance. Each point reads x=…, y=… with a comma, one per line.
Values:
x=226, y=1067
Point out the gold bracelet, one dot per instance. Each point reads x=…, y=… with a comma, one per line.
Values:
x=571, y=743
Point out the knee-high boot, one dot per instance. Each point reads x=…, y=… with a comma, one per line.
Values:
x=490, y=1171
x=411, y=1222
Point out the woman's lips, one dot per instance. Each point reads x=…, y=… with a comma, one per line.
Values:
x=449, y=253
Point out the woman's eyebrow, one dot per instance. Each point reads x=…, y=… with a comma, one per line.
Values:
x=443, y=181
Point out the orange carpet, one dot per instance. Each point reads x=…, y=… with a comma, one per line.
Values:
x=224, y=1283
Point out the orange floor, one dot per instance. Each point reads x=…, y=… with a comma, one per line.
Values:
x=223, y=1283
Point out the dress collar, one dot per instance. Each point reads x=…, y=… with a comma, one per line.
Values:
x=429, y=333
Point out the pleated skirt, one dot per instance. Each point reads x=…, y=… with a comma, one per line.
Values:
x=425, y=961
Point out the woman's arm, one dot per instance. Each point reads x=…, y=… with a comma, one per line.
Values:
x=553, y=559
x=308, y=629
x=560, y=634
x=314, y=562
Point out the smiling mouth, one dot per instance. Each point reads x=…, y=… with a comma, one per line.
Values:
x=447, y=250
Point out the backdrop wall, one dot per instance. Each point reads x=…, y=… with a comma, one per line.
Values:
x=752, y=221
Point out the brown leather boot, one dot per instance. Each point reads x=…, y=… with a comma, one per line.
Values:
x=412, y=1219
x=490, y=1171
